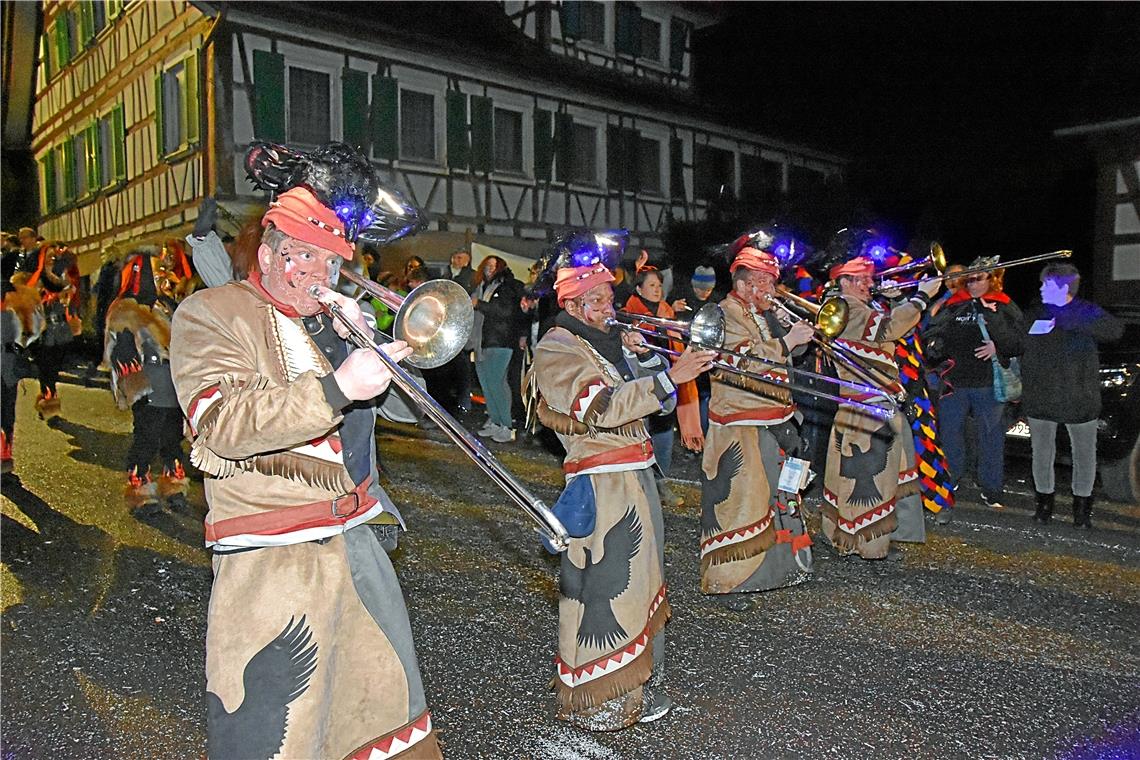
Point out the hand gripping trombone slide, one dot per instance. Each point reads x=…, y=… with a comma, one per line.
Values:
x=547, y=524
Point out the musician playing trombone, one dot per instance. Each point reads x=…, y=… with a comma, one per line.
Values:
x=306, y=614
x=752, y=535
x=596, y=386
x=871, y=482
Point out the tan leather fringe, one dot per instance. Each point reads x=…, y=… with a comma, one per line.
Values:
x=741, y=549
x=622, y=681
x=564, y=424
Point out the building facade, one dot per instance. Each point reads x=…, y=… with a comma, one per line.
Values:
x=544, y=116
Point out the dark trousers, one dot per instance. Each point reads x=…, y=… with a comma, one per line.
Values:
x=157, y=430
x=990, y=445
x=8, y=409
x=49, y=361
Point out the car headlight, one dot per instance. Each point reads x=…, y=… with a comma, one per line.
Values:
x=1117, y=377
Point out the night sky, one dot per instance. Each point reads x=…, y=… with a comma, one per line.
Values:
x=947, y=109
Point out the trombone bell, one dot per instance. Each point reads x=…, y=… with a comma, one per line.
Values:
x=832, y=317
x=435, y=320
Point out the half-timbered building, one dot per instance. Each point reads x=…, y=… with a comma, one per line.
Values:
x=503, y=121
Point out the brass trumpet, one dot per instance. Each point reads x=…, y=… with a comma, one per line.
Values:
x=548, y=525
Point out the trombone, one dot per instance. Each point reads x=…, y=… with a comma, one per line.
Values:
x=414, y=328
x=436, y=322
x=707, y=332
x=1062, y=254
x=830, y=317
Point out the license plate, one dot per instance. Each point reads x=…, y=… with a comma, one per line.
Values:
x=1020, y=429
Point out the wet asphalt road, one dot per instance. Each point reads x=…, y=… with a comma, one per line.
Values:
x=995, y=639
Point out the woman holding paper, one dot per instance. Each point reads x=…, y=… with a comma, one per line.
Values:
x=1060, y=374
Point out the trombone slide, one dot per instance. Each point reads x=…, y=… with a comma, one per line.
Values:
x=548, y=525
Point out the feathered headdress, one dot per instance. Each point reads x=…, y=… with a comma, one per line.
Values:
x=341, y=178
x=577, y=248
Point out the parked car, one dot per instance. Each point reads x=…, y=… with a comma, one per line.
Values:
x=1118, y=437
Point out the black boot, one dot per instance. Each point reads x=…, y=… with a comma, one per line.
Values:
x=1044, y=507
x=1082, y=511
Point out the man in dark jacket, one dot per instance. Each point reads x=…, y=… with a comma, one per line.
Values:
x=459, y=369
x=978, y=325
x=1060, y=375
x=496, y=299
x=460, y=270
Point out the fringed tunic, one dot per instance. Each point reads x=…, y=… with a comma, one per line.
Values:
x=308, y=648
x=752, y=535
x=871, y=482
x=613, y=604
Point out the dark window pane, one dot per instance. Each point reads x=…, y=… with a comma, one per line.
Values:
x=99, y=15
x=417, y=125
x=650, y=39
x=79, y=165
x=760, y=179
x=309, y=107
x=582, y=161
x=593, y=22
x=172, y=120
x=649, y=166
x=713, y=169
x=508, y=140
x=804, y=182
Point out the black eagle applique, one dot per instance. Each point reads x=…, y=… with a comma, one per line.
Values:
x=606, y=581
x=715, y=491
x=863, y=466
x=274, y=677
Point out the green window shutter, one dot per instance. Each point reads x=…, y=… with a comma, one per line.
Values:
x=678, y=39
x=86, y=22
x=543, y=144
x=159, y=125
x=676, y=168
x=67, y=159
x=114, y=8
x=190, y=102
x=119, y=143
x=482, y=134
x=354, y=108
x=458, y=148
x=46, y=53
x=47, y=163
x=91, y=157
x=564, y=145
x=61, y=51
x=385, y=117
x=627, y=39
x=571, y=17
x=269, y=96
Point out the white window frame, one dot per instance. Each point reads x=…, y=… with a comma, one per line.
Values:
x=324, y=62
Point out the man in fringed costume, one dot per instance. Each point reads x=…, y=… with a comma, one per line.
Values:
x=308, y=648
x=752, y=534
x=136, y=348
x=596, y=386
x=871, y=482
